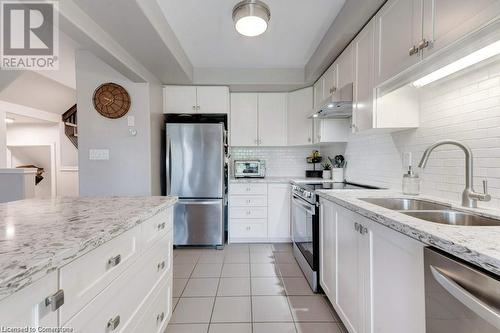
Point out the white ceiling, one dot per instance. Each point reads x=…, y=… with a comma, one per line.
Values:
x=205, y=31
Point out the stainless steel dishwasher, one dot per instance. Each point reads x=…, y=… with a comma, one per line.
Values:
x=459, y=298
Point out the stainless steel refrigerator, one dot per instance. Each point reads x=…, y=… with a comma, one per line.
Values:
x=195, y=173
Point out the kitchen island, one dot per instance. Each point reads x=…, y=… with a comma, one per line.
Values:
x=66, y=261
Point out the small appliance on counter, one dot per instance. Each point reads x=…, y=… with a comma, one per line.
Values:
x=249, y=169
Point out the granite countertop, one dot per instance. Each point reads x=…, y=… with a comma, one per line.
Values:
x=297, y=180
x=38, y=236
x=477, y=245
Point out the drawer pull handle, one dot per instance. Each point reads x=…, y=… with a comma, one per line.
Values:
x=113, y=261
x=160, y=317
x=161, y=265
x=113, y=323
x=161, y=226
x=55, y=301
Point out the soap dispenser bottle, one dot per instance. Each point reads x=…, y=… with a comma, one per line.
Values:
x=411, y=182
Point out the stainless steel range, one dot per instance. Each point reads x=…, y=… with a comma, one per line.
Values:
x=305, y=225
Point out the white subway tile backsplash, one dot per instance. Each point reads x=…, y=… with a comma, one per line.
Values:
x=465, y=108
x=284, y=161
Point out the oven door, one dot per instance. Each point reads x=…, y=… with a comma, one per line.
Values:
x=304, y=226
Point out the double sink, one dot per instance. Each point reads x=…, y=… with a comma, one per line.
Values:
x=432, y=212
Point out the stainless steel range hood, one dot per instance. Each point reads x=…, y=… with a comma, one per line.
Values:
x=339, y=106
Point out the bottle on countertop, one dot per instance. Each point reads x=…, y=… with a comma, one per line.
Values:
x=411, y=182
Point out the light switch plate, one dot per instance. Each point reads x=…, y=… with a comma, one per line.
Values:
x=131, y=121
x=99, y=154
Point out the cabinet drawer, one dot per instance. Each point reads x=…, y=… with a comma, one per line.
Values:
x=88, y=275
x=156, y=227
x=243, y=228
x=124, y=297
x=248, y=213
x=154, y=316
x=248, y=201
x=248, y=189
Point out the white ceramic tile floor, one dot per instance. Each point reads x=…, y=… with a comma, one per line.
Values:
x=246, y=288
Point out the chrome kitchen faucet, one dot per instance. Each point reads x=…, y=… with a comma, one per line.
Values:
x=469, y=196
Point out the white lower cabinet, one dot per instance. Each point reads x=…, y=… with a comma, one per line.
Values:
x=259, y=212
x=371, y=274
x=124, y=285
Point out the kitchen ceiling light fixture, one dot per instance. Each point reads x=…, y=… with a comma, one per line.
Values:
x=251, y=17
x=462, y=63
x=9, y=120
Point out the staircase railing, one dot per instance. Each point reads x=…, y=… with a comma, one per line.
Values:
x=70, y=121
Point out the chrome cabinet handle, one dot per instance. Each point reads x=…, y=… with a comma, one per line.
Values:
x=161, y=265
x=160, y=317
x=55, y=301
x=113, y=323
x=161, y=226
x=194, y=107
x=413, y=50
x=197, y=107
x=423, y=44
x=476, y=305
x=113, y=261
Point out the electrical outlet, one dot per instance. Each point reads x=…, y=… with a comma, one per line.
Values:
x=99, y=154
x=131, y=121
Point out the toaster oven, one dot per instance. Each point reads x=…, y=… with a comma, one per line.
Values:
x=249, y=169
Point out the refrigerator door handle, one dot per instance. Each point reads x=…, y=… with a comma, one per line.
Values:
x=168, y=164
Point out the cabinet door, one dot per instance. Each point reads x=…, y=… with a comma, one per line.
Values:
x=398, y=29
x=363, y=79
x=445, y=21
x=318, y=93
x=330, y=83
x=179, y=99
x=244, y=119
x=27, y=307
x=299, y=107
x=212, y=99
x=328, y=249
x=348, y=292
x=278, y=212
x=272, y=119
x=398, y=282
x=345, y=67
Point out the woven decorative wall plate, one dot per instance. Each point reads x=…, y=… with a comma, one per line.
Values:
x=111, y=100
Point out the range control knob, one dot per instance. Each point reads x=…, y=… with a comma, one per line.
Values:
x=307, y=194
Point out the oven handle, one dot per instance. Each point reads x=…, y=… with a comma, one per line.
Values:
x=300, y=203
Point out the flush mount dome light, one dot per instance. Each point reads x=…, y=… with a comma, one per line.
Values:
x=251, y=17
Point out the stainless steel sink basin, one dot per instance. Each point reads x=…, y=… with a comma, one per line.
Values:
x=454, y=218
x=406, y=204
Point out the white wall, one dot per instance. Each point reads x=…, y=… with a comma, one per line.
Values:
x=156, y=125
x=465, y=107
x=128, y=170
x=3, y=140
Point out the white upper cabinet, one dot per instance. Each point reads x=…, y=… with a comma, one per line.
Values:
x=272, y=119
x=330, y=82
x=212, y=99
x=196, y=99
x=345, y=67
x=244, y=119
x=258, y=119
x=363, y=47
x=318, y=93
x=299, y=107
x=398, y=30
x=445, y=21
x=179, y=99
